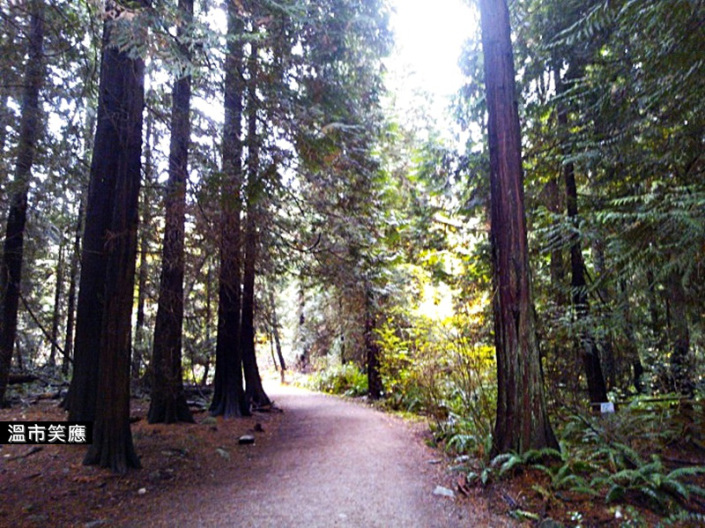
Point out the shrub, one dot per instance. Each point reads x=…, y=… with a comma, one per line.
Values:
x=346, y=379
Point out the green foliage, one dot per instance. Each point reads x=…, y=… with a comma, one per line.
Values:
x=650, y=480
x=683, y=518
x=433, y=367
x=596, y=460
x=618, y=472
x=347, y=380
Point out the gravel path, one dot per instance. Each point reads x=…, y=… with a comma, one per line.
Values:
x=330, y=463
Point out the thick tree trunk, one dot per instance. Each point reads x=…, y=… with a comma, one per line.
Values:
x=13, y=248
x=116, y=170
x=254, y=392
x=168, y=403
x=522, y=422
x=229, y=394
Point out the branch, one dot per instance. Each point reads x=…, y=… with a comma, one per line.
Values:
x=44, y=331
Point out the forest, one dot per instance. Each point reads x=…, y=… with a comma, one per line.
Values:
x=195, y=194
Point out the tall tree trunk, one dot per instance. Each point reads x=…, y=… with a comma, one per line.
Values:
x=7, y=41
x=4, y=123
x=139, y=346
x=58, y=294
x=88, y=137
x=13, y=248
x=597, y=389
x=522, y=421
x=372, y=351
x=254, y=392
x=168, y=403
x=300, y=338
x=208, y=322
x=71, y=305
x=229, y=394
x=275, y=333
x=115, y=169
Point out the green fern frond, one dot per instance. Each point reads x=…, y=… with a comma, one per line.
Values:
x=533, y=455
x=658, y=498
x=684, y=516
x=510, y=464
x=689, y=471
x=676, y=488
x=615, y=493
x=501, y=459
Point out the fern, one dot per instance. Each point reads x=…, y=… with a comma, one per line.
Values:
x=681, y=517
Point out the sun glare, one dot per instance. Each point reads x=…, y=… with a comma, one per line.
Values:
x=429, y=41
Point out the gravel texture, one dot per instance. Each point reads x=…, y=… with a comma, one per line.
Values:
x=329, y=463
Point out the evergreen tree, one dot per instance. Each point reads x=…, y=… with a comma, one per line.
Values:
x=522, y=421
x=11, y=263
x=109, y=254
x=168, y=401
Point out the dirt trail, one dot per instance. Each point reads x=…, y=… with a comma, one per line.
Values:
x=328, y=463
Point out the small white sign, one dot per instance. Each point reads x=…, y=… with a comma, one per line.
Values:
x=606, y=407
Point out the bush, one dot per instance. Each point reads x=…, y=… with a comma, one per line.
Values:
x=346, y=379
x=439, y=370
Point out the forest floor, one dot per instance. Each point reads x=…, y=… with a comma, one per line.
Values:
x=322, y=461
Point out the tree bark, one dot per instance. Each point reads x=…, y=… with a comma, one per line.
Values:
x=116, y=169
x=229, y=394
x=275, y=333
x=13, y=247
x=597, y=390
x=71, y=305
x=139, y=345
x=374, y=379
x=168, y=402
x=522, y=421
x=254, y=392
x=58, y=294
x=88, y=137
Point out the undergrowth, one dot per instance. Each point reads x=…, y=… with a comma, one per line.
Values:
x=614, y=458
x=347, y=380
